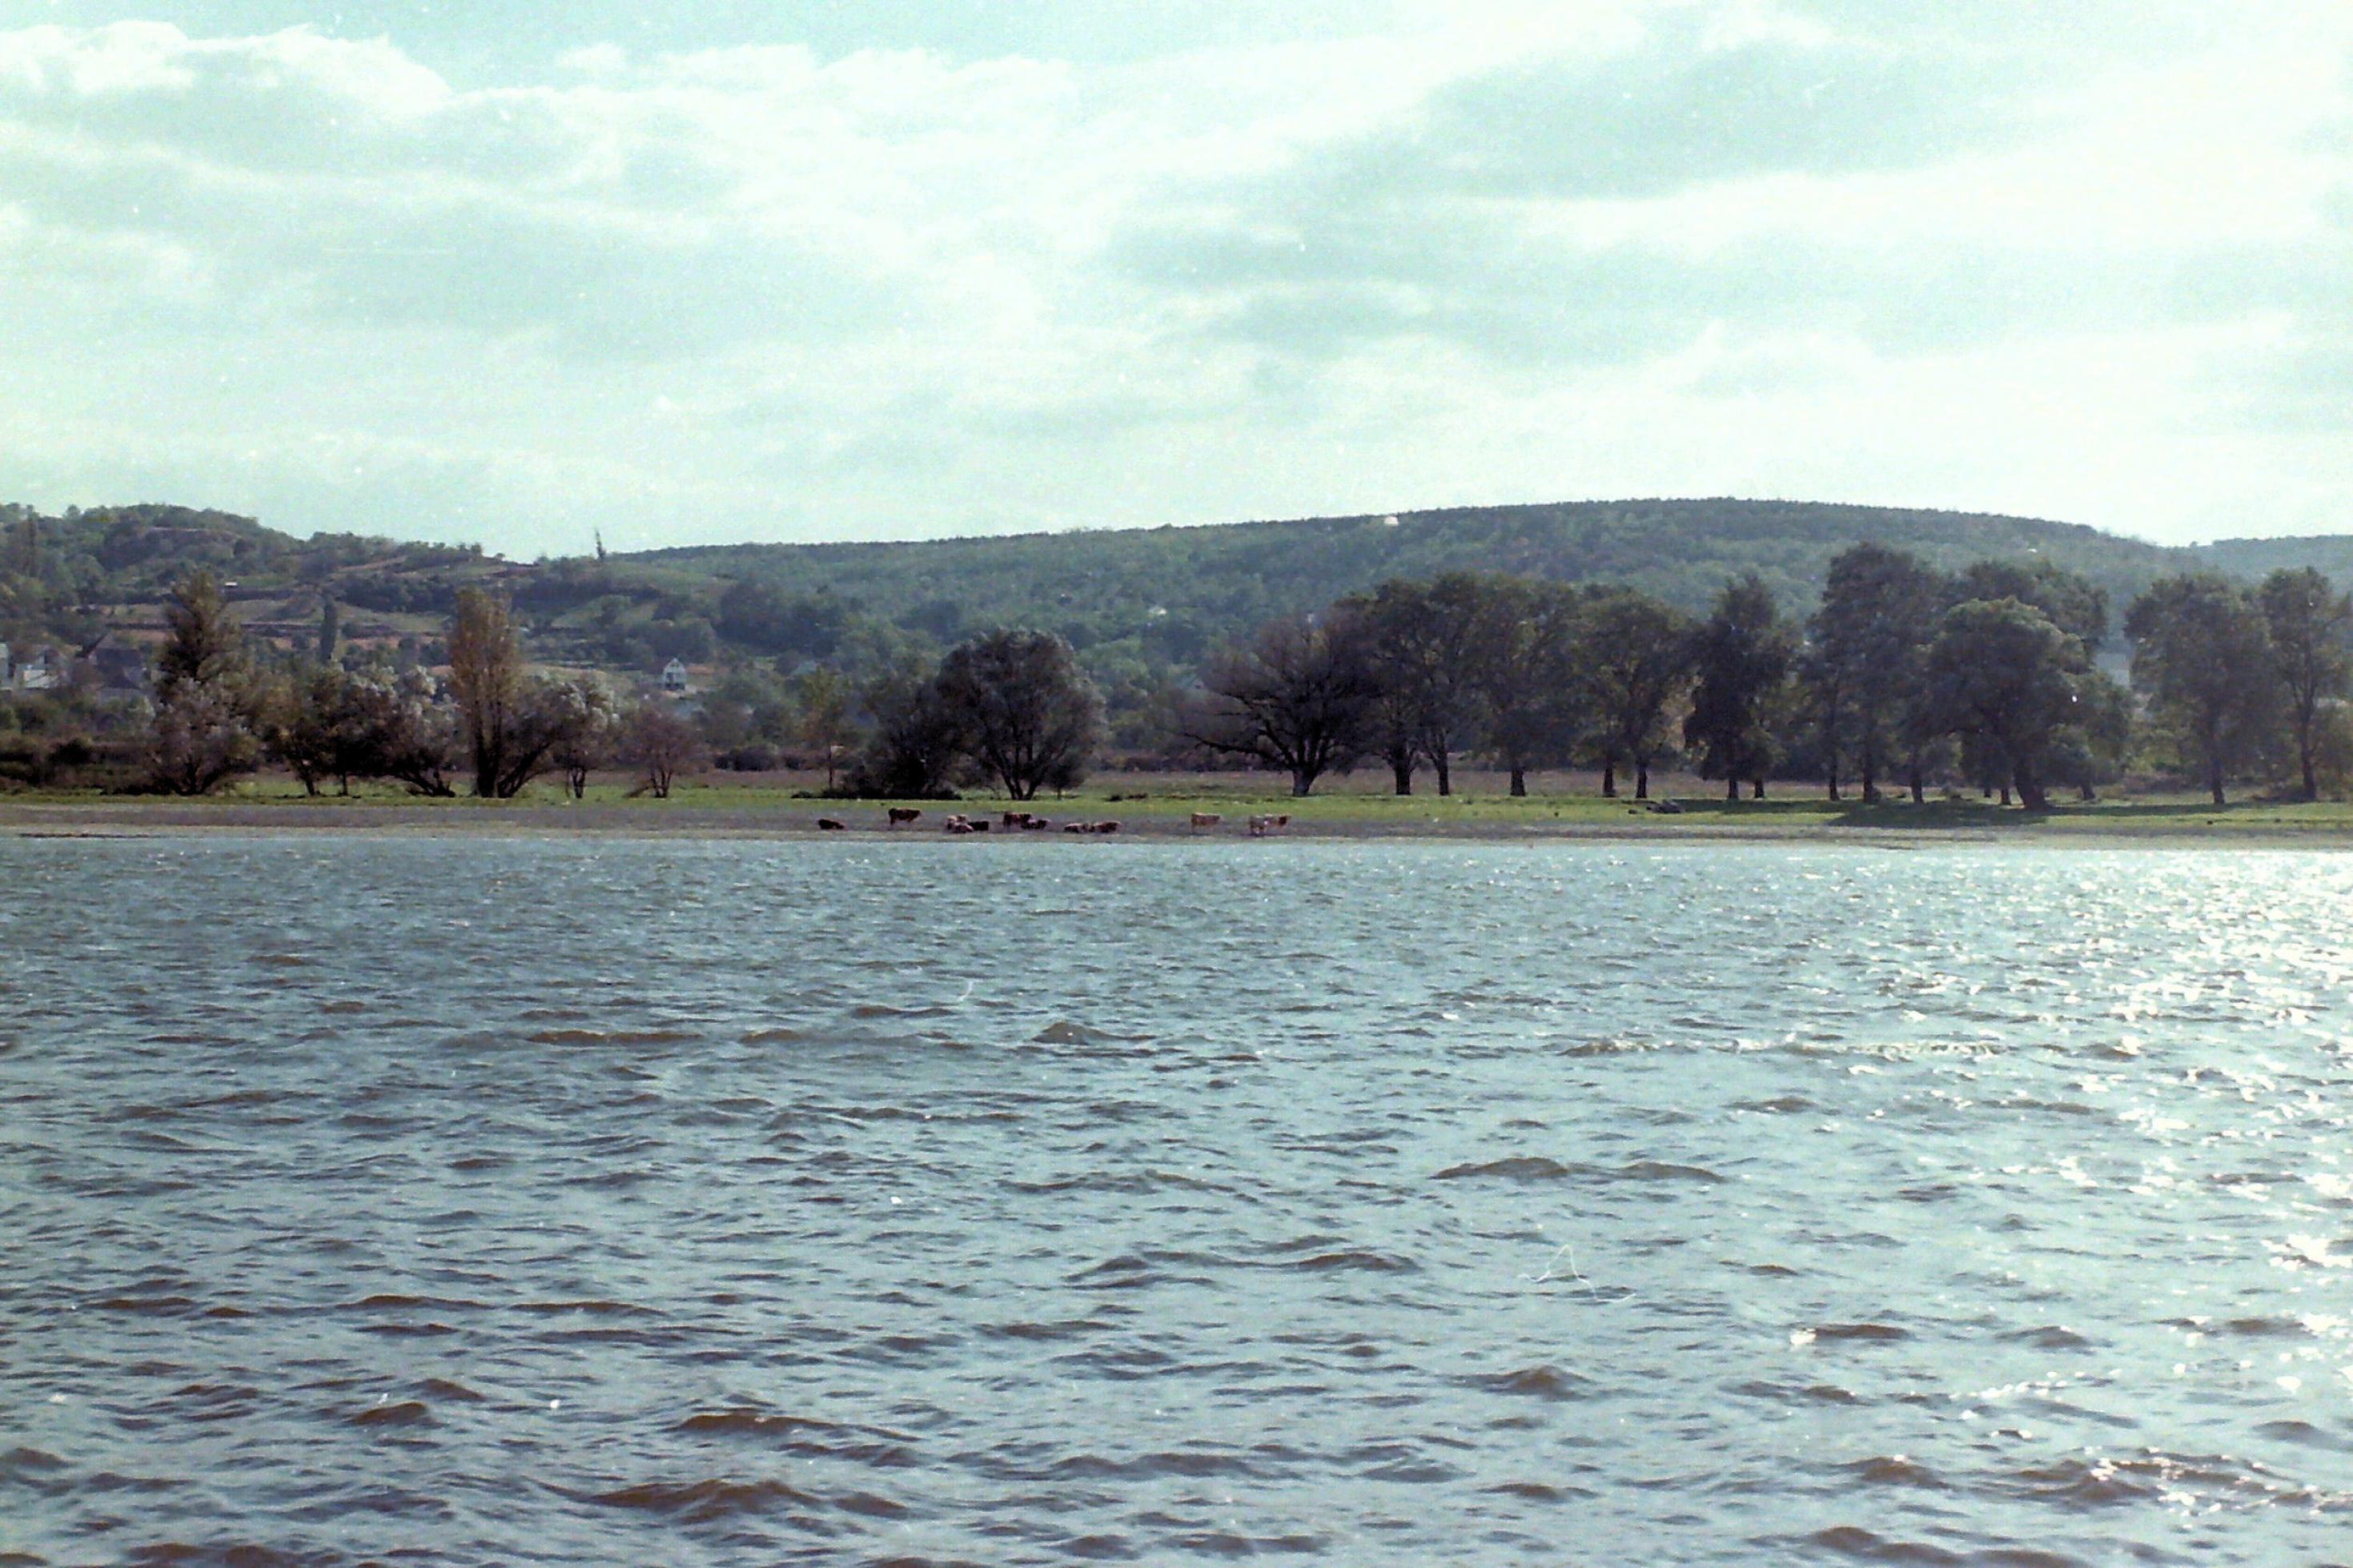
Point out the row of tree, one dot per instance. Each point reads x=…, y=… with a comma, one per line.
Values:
x=1902, y=674
x=1009, y=707
x=219, y=712
x=1989, y=675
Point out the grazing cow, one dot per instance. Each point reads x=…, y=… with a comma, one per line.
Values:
x=1106, y=828
x=902, y=814
x=1074, y=827
x=1206, y=819
x=1269, y=822
x=977, y=824
x=828, y=825
x=1036, y=824
x=1017, y=819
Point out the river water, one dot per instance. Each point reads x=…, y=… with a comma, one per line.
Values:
x=460, y=1200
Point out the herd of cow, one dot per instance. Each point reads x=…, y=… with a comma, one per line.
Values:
x=1028, y=822
x=1260, y=825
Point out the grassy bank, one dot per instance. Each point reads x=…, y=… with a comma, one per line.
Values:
x=1162, y=805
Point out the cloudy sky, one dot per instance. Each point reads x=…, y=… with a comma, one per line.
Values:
x=507, y=273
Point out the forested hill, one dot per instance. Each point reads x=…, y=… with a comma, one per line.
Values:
x=1227, y=577
x=1139, y=603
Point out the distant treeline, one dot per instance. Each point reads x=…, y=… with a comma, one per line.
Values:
x=1901, y=677
x=1145, y=611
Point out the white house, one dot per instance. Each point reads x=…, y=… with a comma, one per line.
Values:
x=674, y=678
x=42, y=672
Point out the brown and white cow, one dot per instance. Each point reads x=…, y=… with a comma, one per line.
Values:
x=1206, y=819
x=902, y=814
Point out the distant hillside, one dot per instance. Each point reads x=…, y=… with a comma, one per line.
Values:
x=2251, y=558
x=1214, y=581
x=1144, y=605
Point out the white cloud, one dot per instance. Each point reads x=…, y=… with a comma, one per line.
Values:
x=1512, y=251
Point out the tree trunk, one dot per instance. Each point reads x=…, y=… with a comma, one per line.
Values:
x=2086, y=794
x=1919, y=787
x=1609, y=778
x=1401, y=769
x=1757, y=789
x=2311, y=780
x=2214, y=784
x=1867, y=764
x=2030, y=791
x=1302, y=781
x=1519, y=779
x=1641, y=778
x=1445, y=775
x=2005, y=794
x=1731, y=788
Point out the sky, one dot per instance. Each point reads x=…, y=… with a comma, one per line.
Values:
x=517, y=274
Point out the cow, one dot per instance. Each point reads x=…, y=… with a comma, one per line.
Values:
x=1016, y=819
x=828, y=825
x=1206, y=819
x=1268, y=821
x=905, y=814
x=1074, y=827
x=956, y=823
x=1037, y=823
x=977, y=824
x=1106, y=826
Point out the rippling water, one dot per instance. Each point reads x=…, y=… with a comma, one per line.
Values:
x=465, y=1201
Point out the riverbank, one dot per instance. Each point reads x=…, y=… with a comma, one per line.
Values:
x=733, y=810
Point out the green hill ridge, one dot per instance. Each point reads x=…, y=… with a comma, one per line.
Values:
x=1143, y=605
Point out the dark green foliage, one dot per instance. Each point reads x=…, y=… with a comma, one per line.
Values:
x=2202, y=652
x=1741, y=656
x=2009, y=680
x=2075, y=604
x=1420, y=642
x=2309, y=621
x=758, y=614
x=1870, y=634
x=1030, y=720
x=1524, y=673
x=1632, y=659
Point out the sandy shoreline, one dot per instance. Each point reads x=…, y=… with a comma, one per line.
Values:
x=144, y=819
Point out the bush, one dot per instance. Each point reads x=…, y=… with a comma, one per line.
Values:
x=754, y=758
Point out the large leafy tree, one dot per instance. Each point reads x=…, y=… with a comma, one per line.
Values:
x=822, y=717
x=1523, y=655
x=511, y=723
x=1032, y=720
x=1299, y=698
x=915, y=743
x=2008, y=679
x=2309, y=621
x=2072, y=603
x=1741, y=656
x=2202, y=651
x=1420, y=641
x=1633, y=656
x=207, y=728
x=1878, y=611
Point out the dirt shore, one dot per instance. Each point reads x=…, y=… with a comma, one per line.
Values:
x=1569, y=821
